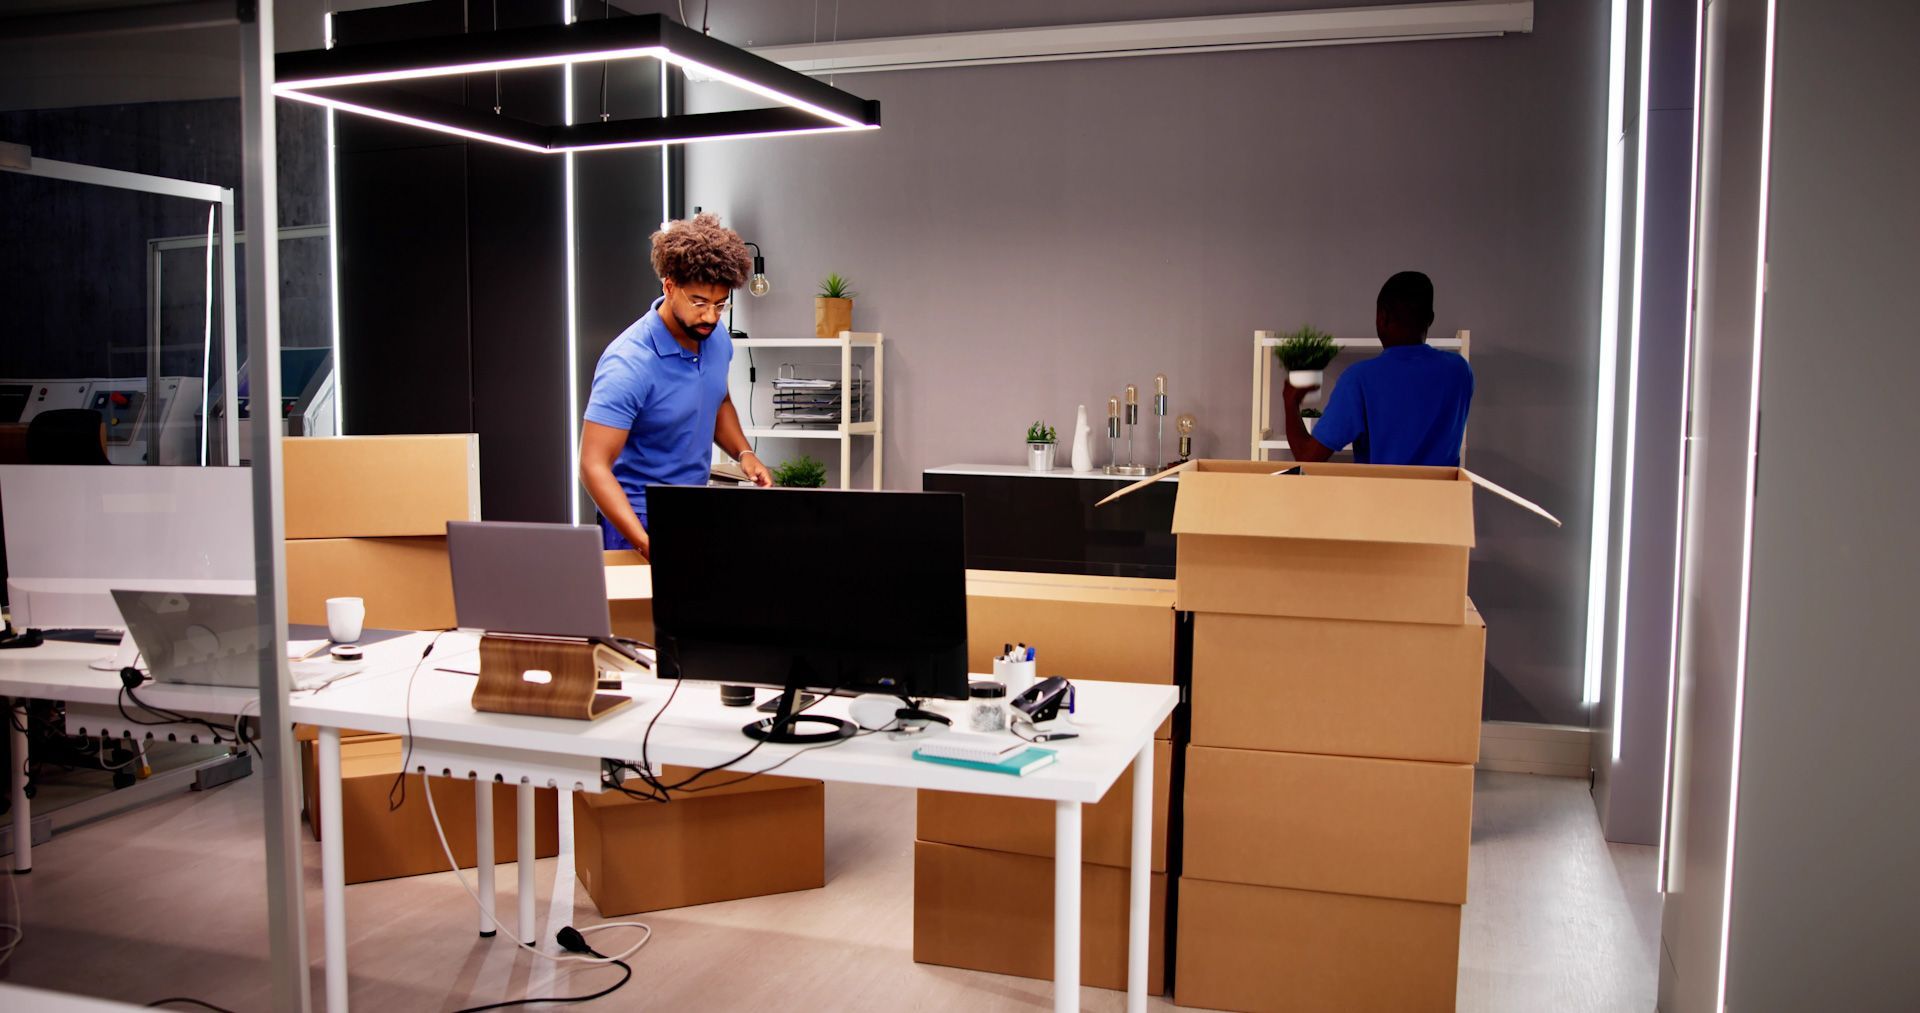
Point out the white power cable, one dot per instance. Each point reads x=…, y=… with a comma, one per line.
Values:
x=16, y=926
x=489, y=916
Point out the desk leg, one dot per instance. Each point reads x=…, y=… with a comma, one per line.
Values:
x=1140, y=882
x=483, y=850
x=528, y=930
x=17, y=782
x=333, y=871
x=1066, y=907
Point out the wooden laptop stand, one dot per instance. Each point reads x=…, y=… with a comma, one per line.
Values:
x=549, y=677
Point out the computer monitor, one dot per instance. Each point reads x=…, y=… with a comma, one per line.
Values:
x=77, y=533
x=810, y=589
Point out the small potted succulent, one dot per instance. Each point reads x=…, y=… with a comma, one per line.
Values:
x=1040, y=447
x=1305, y=353
x=1309, y=416
x=802, y=472
x=833, y=307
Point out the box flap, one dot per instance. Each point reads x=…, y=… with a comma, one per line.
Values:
x=1416, y=509
x=1508, y=495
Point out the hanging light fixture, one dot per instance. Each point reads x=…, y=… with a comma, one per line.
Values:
x=758, y=285
x=359, y=79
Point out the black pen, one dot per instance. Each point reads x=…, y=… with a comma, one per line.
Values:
x=1055, y=736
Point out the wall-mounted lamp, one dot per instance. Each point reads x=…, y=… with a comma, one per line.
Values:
x=758, y=285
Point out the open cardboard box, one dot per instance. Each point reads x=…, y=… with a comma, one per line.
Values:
x=1328, y=541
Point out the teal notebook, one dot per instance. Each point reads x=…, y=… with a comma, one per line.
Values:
x=1019, y=765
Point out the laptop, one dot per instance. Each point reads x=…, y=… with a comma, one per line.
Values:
x=196, y=639
x=544, y=580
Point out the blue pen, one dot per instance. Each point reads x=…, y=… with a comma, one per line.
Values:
x=1031, y=653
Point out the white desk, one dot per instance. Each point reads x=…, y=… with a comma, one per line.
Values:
x=57, y=670
x=1116, y=725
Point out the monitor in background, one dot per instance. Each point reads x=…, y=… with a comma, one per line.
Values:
x=839, y=591
x=76, y=534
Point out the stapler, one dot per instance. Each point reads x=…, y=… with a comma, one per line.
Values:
x=1043, y=700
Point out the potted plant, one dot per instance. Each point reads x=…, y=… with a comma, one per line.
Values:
x=1040, y=447
x=833, y=307
x=1305, y=353
x=1309, y=416
x=802, y=472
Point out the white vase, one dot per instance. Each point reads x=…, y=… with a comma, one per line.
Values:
x=1306, y=377
x=1082, y=449
x=1040, y=456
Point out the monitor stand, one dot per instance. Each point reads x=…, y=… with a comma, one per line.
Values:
x=782, y=726
x=911, y=710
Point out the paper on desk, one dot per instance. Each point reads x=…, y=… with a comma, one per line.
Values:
x=297, y=649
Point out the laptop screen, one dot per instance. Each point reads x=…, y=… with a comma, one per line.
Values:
x=543, y=579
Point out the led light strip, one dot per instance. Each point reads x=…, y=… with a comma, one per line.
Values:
x=1686, y=449
x=1598, y=557
x=477, y=67
x=1746, y=521
x=412, y=121
x=610, y=146
x=567, y=16
x=1633, y=386
x=696, y=67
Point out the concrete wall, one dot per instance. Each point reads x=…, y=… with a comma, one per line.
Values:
x=1034, y=237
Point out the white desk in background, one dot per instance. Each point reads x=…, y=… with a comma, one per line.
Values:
x=1116, y=725
x=58, y=670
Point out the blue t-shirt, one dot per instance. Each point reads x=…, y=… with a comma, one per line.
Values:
x=1408, y=405
x=666, y=398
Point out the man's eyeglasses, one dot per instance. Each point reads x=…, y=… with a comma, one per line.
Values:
x=701, y=305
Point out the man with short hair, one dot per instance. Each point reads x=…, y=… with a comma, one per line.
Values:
x=660, y=400
x=1408, y=405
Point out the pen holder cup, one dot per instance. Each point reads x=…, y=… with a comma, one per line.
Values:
x=1018, y=676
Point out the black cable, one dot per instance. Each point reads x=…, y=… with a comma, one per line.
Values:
x=202, y=1003
x=570, y=939
x=663, y=792
x=169, y=717
x=406, y=758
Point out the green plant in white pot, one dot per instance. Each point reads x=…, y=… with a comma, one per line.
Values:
x=1040, y=444
x=1305, y=353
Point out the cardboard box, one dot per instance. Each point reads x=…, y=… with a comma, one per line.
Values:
x=383, y=844
x=1341, y=824
x=1404, y=691
x=993, y=911
x=406, y=582
x=1266, y=949
x=380, y=486
x=1340, y=541
x=630, y=594
x=1024, y=826
x=741, y=838
x=1113, y=629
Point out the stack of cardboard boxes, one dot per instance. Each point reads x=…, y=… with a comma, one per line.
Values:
x=366, y=517
x=1328, y=798
x=983, y=866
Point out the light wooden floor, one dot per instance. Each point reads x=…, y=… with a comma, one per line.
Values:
x=168, y=901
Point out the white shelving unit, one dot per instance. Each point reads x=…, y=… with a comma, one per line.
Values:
x=848, y=343
x=1264, y=365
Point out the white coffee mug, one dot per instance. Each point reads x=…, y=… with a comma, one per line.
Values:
x=345, y=616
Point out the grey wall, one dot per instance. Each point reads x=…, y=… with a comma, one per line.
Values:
x=1034, y=237
x=1629, y=791
x=1715, y=536
x=1825, y=885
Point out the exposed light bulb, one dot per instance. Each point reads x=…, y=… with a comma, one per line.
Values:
x=1160, y=383
x=758, y=285
x=1185, y=424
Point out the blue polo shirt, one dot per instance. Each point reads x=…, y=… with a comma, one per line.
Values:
x=666, y=398
x=1408, y=405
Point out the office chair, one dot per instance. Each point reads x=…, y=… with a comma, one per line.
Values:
x=67, y=436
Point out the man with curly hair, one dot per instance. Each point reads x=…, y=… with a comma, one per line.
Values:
x=659, y=401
